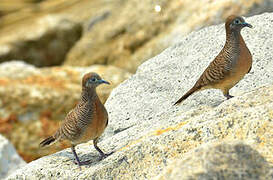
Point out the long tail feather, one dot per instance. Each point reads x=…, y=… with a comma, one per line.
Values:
x=185, y=96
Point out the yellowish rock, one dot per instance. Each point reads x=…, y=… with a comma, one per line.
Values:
x=43, y=42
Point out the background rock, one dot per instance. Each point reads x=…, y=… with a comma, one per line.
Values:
x=116, y=32
x=139, y=32
x=32, y=100
x=7, y=6
x=225, y=160
x=9, y=159
x=44, y=42
x=147, y=132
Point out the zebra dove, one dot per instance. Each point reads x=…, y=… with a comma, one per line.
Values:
x=86, y=121
x=230, y=65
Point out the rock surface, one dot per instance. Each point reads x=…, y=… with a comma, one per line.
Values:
x=44, y=42
x=225, y=160
x=9, y=159
x=147, y=132
x=33, y=99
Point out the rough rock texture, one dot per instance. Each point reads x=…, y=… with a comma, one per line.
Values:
x=44, y=42
x=9, y=159
x=147, y=132
x=32, y=100
x=231, y=160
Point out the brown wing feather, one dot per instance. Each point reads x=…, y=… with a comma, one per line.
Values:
x=217, y=70
x=75, y=122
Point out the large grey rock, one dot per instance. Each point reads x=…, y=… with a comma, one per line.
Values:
x=147, y=131
x=9, y=159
